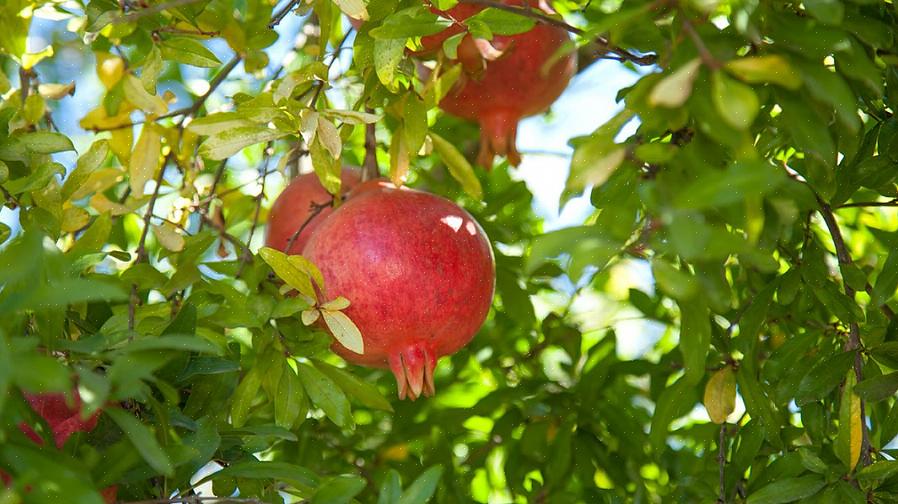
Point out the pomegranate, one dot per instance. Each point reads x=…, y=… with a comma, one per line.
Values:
x=418, y=271
x=63, y=421
x=293, y=207
x=513, y=84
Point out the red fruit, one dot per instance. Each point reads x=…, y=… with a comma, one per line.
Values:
x=513, y=85
x=292, y=209
x=418, y=271
x=62, y=419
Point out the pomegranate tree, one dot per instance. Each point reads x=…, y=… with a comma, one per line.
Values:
x=303, y=205
x=418, y=271
x=521, y=76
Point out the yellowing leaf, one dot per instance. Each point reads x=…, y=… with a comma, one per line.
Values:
x=673, y=90
x=73, y=219
x=294, y=270
x=458, y=166
x=216, y=123
x=387, y=55
x=88, y=163
x=99, y=119
x=146, y=158
x=736, y=102
x=352, y=116
x=29, y=60
x=720, y=395
x=339, y=303
x=97, y=181
x=353, y=8
x=399, y=160
x=109, y=69
x=138, y=95
x=229, y=142
x=344, y=330
x=52, y=91
x=310, y=316
x=329, y=137
x=597, y=156
x=102, y=204
x=848, y=440
x=169, y=237
x=770, y=68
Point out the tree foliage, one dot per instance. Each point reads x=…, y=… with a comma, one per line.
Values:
x=758, y=187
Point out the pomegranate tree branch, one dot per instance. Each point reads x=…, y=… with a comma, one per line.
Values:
x=369, y=166
x=142, y=243
x=605, y=44
x=153, y=9
x=196, y=499
x=854, y=337
x=315, y=209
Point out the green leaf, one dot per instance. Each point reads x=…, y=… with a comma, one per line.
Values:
x=188, y=51
x=423, y=488
x=246, y=393
x=758, y=405
x=736, y=102
x=675, y=401
x=804, y=125
x=45, y=142
x=458, y=166
x=325, y=394
x=181, y=343
x=787, y=490
x=387, y=55
x=226, y=143
x=143, y=440
x=88, y=163
x=824, y=377
x=877, y=388
x=695, y=337
x=339, y=490
x=290, y=401
x=887, y=281
x=391, y=489
x=364, y=392
x=829, y=12
x=597, y=156
x=848, y=440
x=502, y=22
x=40, y=373
x=220, y=122
x=5, y=232
x=882, y=470
x=416, y=21
x=280, y=471
x=771, y=68
x=297, y=273
x=673, y=90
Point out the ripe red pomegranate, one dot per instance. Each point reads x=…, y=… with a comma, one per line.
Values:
x=418, y=271
x=514, y=85
x=292, y=209
x=63, y=421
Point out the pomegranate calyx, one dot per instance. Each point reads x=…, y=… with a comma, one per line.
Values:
x=413, y=369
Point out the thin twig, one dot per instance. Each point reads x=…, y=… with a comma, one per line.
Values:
x=141, y=244
x=195, y=499
x=370, y=170
x=722, y=462
x=281, y=14
x=204, y=207
x=623, y=54
x=154, y=9
x=707, y=58
x=854, y=337
x=247, y=258
x=314, y=210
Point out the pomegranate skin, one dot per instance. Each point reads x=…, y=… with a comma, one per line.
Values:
x=293, y=207
x=62, y=419
x=418, y=271
x=500, y=92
